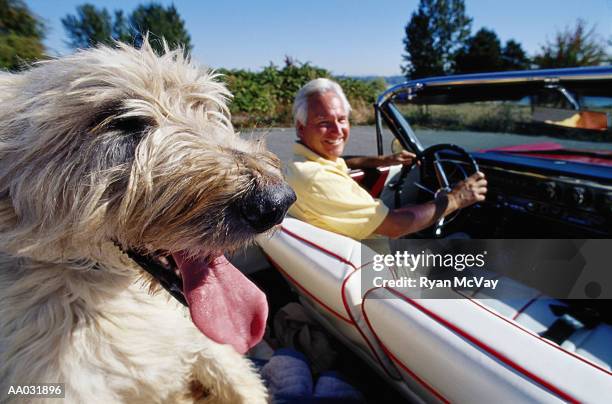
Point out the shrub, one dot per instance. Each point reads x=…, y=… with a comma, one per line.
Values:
x=266, y=97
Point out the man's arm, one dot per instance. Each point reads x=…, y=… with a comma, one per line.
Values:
x=403, y=157
x=403, y=221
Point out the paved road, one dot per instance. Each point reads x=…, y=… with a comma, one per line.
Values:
x=363, y=140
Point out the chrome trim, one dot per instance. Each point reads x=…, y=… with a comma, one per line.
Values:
x=547, y=76
x=561, y=178
x=570, y=98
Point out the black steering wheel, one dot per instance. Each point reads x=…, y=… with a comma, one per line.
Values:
x=447, y=172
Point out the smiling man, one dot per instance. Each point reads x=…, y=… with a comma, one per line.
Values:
x=329, y=198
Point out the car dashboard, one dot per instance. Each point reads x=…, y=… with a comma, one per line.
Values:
x=536, y=198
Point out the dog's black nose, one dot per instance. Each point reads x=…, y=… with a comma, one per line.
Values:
x=266, y=208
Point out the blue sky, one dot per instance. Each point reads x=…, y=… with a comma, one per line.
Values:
x=347, y=37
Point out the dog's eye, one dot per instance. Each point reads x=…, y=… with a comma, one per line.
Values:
x=112, y=117
x=135, y=125
x=116, y=133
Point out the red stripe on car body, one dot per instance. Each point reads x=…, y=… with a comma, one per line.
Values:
x=395, y=359
x=306, y=291
x=486, y=347
x=573, y=355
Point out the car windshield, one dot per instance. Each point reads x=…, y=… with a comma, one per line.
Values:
x=541, y=120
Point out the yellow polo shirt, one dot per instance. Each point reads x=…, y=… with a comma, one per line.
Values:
x=327, y=197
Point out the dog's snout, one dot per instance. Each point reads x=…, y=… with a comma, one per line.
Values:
x=266, y=208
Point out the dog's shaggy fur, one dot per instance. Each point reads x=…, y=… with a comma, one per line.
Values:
x=104, y=150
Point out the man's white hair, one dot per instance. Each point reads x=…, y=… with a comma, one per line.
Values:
x=316, y=86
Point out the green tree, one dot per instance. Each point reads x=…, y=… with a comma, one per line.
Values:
x=482, y=53
x=420, y=60
x=121, y=28
x=21, y=35
x=572, y=47
x=436, y=31
x=514, y=57
x=160, y=22
x=91, y=26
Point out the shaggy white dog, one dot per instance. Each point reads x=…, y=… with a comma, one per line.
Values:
x=112, y=157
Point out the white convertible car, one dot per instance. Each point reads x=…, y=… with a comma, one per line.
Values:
x=481, y=345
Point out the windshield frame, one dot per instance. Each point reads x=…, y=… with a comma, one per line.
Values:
x=414, y=91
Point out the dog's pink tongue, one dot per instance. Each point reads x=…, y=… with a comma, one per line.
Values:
x=226, y=306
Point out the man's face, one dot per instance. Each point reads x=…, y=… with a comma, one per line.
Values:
x=327, y=126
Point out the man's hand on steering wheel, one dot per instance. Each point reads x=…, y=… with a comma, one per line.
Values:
x=434, y=162
x=404, y=157
x=468, y=192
